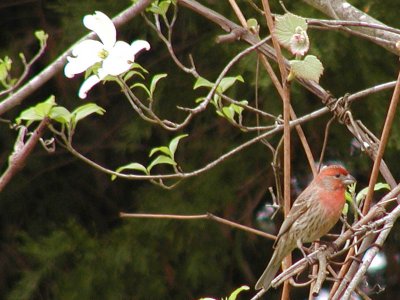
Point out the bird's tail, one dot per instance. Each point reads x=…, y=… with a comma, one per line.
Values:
x=269, y=273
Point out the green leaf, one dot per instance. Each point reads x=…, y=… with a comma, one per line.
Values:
x=162, y=159
x=345, y=209
x=238, y=109
x=164, y=7
x=235, y=293
x=173, y=145
x=131, y=73
x=137, y=66
x=41, y=36
x=5, y=67
x=22, y=56
x=94, y=69
x=202, y=82
x=3, y=71
x=216, y=101
x=38, y=112
x=160, y=8
x=43, y=108
x=154, y=81
x=348, y=196
x=220, y=113
x=142, y=86
x=131, y=166
x=200, y=99
x=29, y=115
x=309, y=68
x=85, y=110
x=228, y=112
x=227, y=82
x=286, y=27
x=162, y=149
x=61, y=115
x=350, y=192
x=252, y=23
x=363, y=193
x=7, y=62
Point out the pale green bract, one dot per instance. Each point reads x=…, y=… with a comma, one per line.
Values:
x=310, y=68
x=291, y=32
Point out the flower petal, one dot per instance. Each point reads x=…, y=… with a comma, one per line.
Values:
x=87, y=54
x=87, y=85
x=122, y=55
x=140, y=45
x=77, y=65
x=103, y=27
x=119, y=59
x=87, y=48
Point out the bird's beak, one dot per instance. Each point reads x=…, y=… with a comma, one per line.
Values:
x=349, y=180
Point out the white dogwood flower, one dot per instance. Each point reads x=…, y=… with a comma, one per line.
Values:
x=115, y=57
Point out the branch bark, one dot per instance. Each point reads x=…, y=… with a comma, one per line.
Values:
x=342, y=10
x=21, y=152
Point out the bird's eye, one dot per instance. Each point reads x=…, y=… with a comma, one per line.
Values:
x=337, y=175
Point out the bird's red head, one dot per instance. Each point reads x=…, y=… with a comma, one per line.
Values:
x=336, y=174
x=331, y=183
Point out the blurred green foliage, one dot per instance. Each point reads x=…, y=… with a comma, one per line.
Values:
x=61, y=235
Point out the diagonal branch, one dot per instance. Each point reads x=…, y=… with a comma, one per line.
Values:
x=21, y=152
x=382, y=144
x=340, y=9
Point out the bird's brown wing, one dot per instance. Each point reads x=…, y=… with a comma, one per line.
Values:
x=300, y=206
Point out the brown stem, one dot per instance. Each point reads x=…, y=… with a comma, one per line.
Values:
x=382, y=145
x=286, y=129
x=375, y=171
x=306, y=146
x=19, y=156
x=196, y=217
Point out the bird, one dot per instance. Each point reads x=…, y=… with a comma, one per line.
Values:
x=315, y=211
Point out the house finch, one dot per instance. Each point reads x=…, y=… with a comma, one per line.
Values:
x=315, y=211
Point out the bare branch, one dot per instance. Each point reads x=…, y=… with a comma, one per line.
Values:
x=21, y=152
x=342, y=10
x=382, y=144
x=196, y=217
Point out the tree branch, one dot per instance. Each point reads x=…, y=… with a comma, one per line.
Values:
x=21, y=152
x=197, y=217
x=340, y=9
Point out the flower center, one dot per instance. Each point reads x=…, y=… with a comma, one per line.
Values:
x=103, y=54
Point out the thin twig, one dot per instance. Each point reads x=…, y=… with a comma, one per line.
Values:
x=286, y=129
x=384, y=139
x=321, y=157
x=238, y=13
x=27, y=68
x=332, y=24
x=196, y=217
